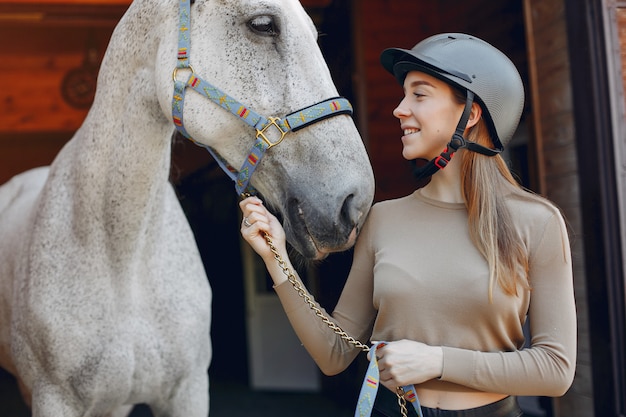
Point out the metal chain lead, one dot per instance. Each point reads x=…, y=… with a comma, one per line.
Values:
x=402, y=401
x=291, y=277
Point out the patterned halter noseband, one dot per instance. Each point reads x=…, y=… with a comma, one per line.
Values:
x=291, y=123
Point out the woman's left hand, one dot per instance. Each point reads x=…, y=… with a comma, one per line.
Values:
x=407, y=362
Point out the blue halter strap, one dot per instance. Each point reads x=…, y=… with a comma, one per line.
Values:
x=370, y=386
x=291, y=123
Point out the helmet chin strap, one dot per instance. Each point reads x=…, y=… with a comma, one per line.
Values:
x=456, y=142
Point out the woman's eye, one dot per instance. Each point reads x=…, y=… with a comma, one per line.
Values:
x=264, y=26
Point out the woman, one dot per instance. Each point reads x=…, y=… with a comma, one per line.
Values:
x=448, y=275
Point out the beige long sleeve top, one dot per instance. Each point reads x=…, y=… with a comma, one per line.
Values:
x=417, y=275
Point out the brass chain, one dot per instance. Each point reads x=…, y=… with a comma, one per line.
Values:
x=291, y=277
x=402, y=401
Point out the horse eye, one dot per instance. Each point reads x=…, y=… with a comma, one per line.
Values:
x=264, y=26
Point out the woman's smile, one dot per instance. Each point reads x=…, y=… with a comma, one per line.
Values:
x=408, y=136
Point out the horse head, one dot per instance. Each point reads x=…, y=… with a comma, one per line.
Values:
x=265, y=54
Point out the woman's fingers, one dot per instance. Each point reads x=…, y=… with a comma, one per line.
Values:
x=253, y=211
x=255, y=224
x=250, y=205
x=258, y=220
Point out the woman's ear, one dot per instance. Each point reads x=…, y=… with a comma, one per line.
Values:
x=475, y=115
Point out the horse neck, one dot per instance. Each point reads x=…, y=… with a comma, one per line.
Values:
x=122, y=153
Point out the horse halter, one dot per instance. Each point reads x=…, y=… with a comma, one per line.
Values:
x=291, y=123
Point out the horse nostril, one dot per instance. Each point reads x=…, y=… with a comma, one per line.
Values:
x=349, y=213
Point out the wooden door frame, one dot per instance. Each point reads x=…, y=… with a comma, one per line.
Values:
x=599, y=202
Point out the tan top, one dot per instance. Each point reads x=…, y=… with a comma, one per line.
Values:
x=416, y=275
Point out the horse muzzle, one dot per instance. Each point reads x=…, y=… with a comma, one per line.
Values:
x=315, y=234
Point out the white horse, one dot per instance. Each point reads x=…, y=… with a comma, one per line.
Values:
x=104, y=302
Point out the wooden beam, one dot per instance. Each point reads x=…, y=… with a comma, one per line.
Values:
x=600, y=208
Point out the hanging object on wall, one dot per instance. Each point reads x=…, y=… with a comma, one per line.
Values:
x=78, y=86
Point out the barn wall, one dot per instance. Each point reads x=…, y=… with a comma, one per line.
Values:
x=616, y=32
x=403, y=25
x=620, y=14
x=555, y=148
x=617, y=51
x=47, y=76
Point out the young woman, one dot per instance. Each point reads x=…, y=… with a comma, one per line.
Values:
x=449, y=275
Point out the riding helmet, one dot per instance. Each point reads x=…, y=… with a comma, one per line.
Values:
x=471, y=64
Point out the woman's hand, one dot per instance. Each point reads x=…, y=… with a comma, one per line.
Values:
x=257, y=220
x=407, y=362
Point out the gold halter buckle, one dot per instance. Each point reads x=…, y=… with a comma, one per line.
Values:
x=273, y=122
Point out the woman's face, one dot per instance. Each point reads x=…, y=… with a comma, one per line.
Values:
x=428, y=116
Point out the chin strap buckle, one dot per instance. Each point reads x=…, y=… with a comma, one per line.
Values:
x=441, y=162
x=444, y=158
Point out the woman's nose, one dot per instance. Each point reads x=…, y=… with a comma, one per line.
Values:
x=401, y=110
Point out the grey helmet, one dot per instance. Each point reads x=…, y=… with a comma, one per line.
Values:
x=474, y=66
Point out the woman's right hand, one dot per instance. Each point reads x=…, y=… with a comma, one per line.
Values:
x=257, y=220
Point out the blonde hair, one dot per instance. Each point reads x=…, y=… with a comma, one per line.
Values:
x=485, y=182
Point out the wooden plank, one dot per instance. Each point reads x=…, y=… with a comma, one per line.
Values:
x=562, y=161
x=543, y=14
x=559, y=133
x=551, y=96
x=554, y=69
x=37, y=106
x=621, y=25
x=51, y=13
x=553, y=39
x=32, y=73
x=560, y=101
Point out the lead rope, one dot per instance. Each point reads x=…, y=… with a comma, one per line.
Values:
x=370, y=384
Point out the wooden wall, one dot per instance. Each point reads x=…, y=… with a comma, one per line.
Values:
x=405, y=24
x=552, y=114
x=36, y=72
x=49, y=58
x=621, y=26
